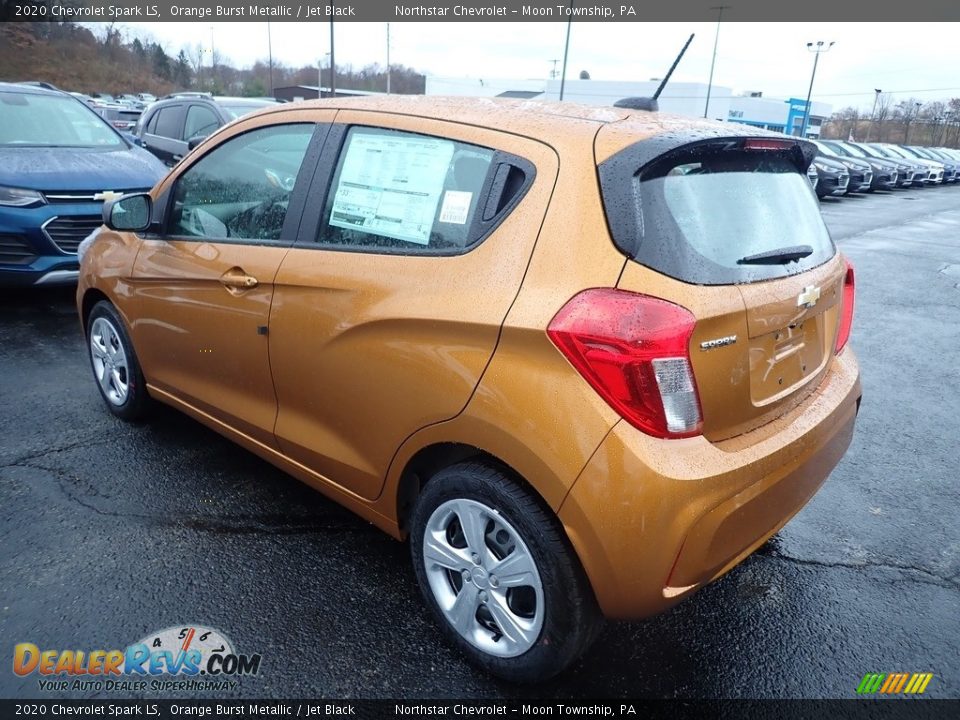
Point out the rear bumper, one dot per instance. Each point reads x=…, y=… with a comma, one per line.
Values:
x=654, y=520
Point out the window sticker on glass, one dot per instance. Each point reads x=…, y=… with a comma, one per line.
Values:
x=391, y=185
x=456, y=206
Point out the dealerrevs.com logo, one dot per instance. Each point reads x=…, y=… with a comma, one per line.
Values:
x=188, y=657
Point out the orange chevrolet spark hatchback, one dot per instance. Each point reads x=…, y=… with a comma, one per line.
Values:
x=585, y=359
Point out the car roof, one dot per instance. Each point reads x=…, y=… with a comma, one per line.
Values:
x=534, y=118
x=28, y=89
x=473, y=110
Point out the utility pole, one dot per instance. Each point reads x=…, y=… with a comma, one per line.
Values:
x=910, y=119
x=713, y=61
x=333, y=63
x=816, y=49
x=270, y=54
x=388, y=58
x=213, y=61
x=873, y=114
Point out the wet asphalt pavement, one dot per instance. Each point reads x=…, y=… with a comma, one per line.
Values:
x=110, y=531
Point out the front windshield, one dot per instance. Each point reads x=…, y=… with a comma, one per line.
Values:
x=29, y=120
x=852, y=150
x=869, y=151
x=825, y=148
x=898, y=152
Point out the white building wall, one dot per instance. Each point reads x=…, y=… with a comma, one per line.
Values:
x=769, y=111
x=680, y=98
x=480, y=87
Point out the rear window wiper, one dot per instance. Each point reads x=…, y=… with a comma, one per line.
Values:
x=775, y=257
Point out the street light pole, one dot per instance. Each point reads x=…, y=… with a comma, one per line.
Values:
x=566, y=50
x=320, y=76
x=816, y=49
x=388, y=58
x=873, y=113
x=713, y=60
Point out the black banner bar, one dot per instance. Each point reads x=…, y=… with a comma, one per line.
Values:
x=856, y=709
x=475, y=11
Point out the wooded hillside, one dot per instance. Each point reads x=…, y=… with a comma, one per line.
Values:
x=73, y=58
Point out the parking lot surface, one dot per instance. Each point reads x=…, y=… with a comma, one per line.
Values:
x=109, y=531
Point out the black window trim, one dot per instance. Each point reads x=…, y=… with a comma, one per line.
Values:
x=163, y=207
x=315, y=211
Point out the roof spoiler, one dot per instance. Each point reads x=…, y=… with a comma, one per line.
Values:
x=650, y=104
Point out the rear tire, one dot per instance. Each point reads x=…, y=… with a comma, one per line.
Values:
x=114, y=363
x=499, y=575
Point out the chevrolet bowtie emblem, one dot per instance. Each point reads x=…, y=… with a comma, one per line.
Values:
x=809, y=296
x=107, y=195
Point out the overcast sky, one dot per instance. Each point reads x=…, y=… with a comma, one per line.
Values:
x=906, y=59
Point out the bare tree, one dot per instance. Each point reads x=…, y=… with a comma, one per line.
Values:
x=934, y=113
x=882, y=113
x=907, y=111
x=843, y=123
x=954, y=110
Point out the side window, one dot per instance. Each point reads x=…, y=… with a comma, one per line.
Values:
x=168, y=121
x=201, y=121
x=402, y=192
x=241, y=189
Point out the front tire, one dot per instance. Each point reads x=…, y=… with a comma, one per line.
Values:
x=499, y=575
x=114, y=363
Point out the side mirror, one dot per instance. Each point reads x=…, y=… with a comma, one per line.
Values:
x=195, y=140
x=131, y=213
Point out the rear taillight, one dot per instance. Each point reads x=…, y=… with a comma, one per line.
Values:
x=634, y=350
x=846, y=308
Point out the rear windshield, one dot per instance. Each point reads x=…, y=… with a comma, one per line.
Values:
x=700, y=215
x=34, y=120
x=112, y=114
x=241, y=109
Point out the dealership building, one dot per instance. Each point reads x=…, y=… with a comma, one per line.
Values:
x=751, y=108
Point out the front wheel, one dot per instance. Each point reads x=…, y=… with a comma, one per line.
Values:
x=499, y=575
x=114, y=363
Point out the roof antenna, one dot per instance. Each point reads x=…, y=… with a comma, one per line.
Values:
x=650, y=103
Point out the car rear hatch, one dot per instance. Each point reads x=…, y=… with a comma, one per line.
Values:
x=729, y=229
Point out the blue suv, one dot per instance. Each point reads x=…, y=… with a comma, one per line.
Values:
x=59, y=162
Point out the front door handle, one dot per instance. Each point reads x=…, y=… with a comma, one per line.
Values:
x=237, y=280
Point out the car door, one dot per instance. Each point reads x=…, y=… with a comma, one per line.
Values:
x=203, y=289
x=164, y=131
x=414, y=243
